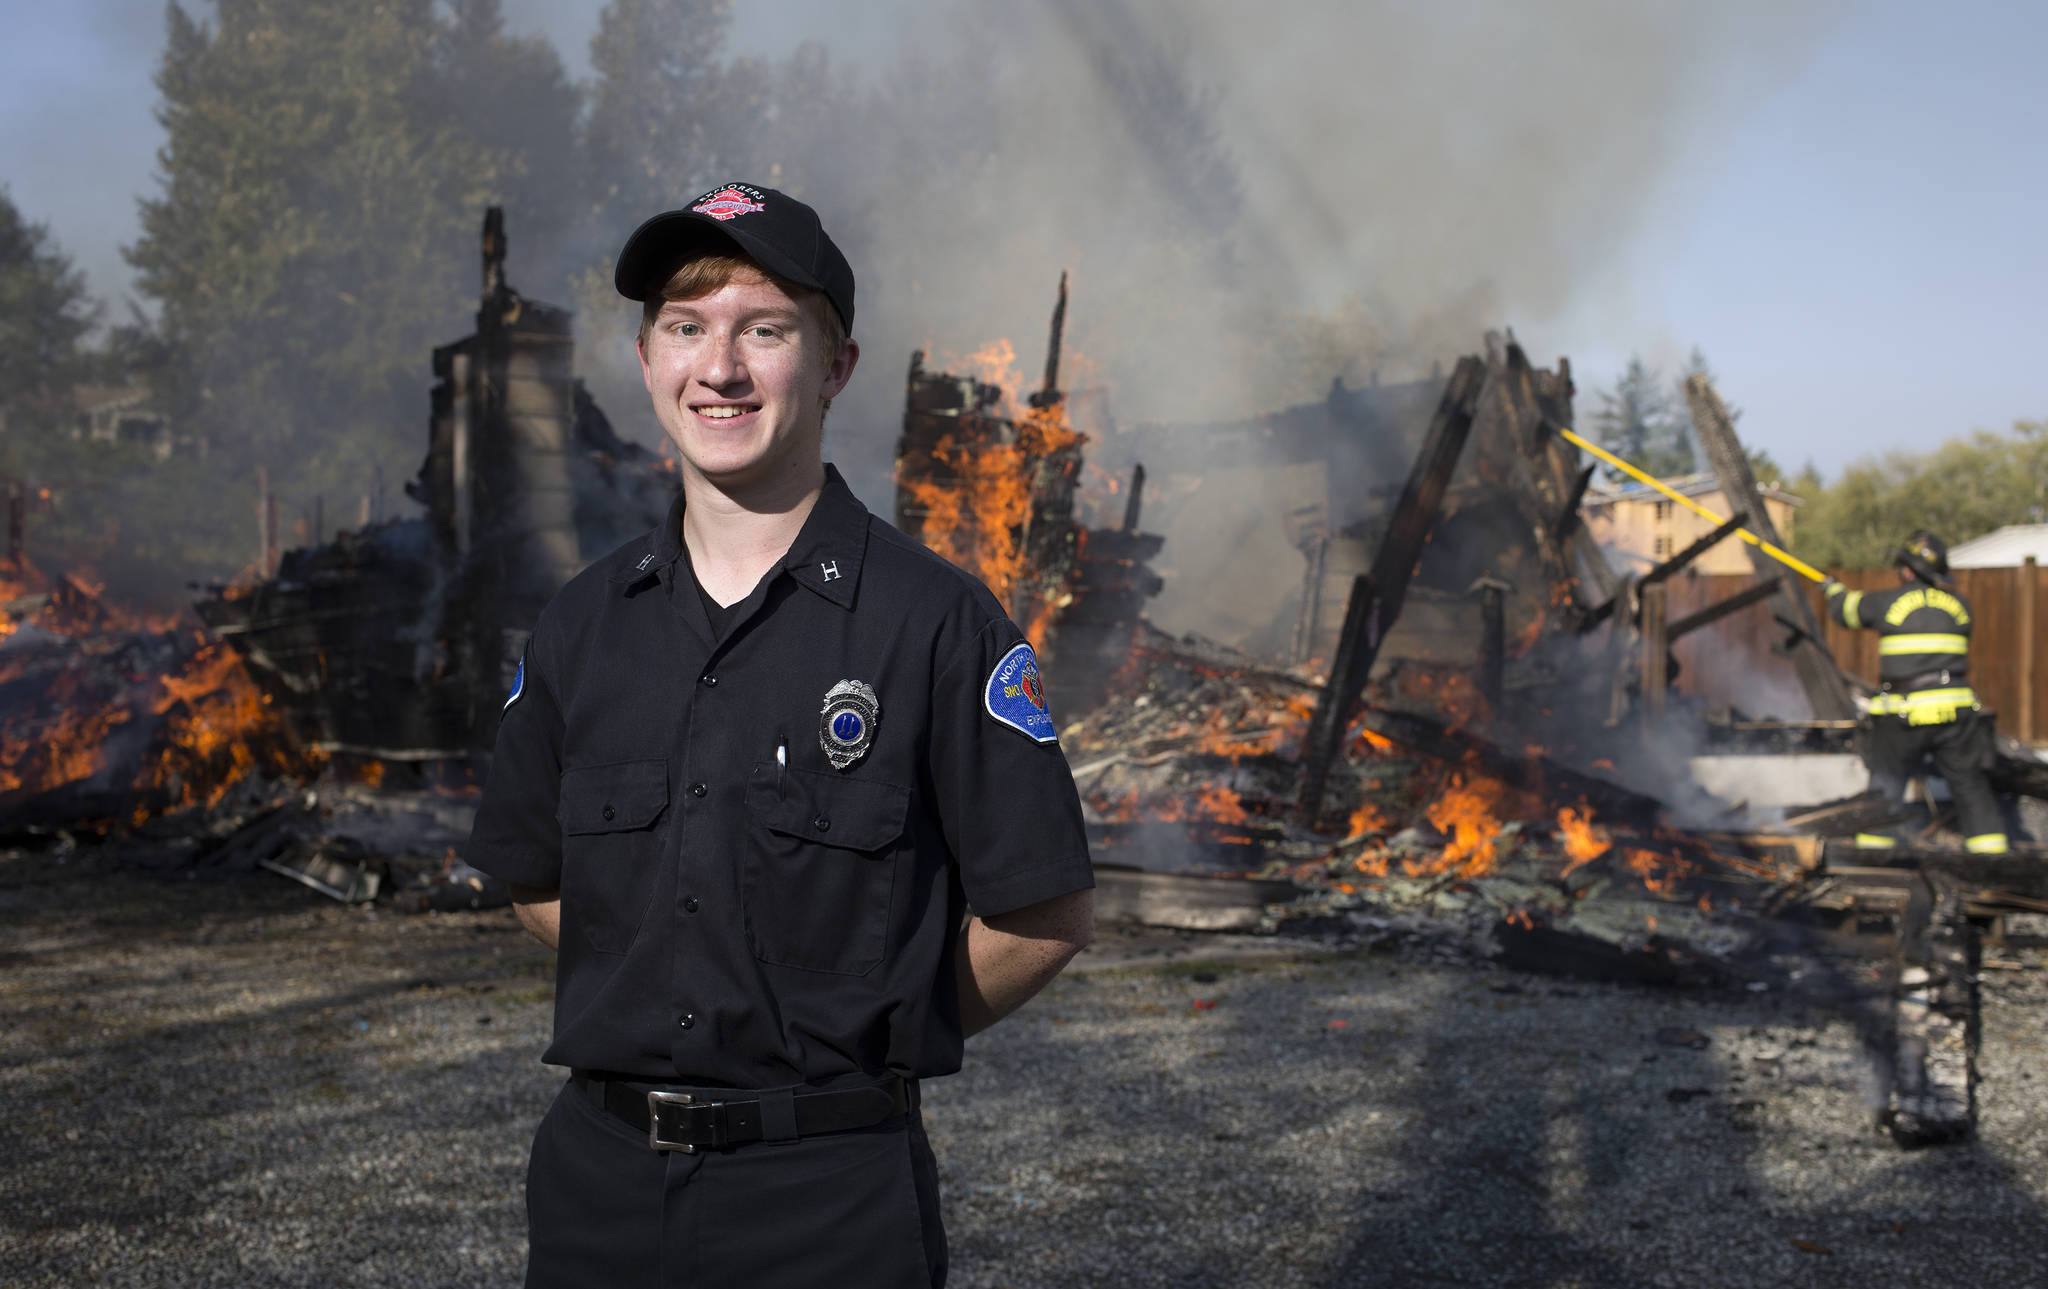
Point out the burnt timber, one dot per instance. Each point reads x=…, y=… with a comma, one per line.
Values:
x=398, y=642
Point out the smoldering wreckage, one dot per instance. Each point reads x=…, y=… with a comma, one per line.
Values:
x=1466, y=734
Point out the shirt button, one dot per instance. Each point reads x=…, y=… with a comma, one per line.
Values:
x=609, y=814
x=709, y=682
x=698, y=789
x=690, y=904
x=822, y=824
x=688, y=1020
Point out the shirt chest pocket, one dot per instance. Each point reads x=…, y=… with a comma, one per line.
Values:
x=613, y=821
x=820, y=870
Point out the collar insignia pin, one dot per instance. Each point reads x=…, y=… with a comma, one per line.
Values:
x=846, y=723
x=829, y=570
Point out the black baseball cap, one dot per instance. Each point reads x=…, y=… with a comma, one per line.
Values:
x=773, y=229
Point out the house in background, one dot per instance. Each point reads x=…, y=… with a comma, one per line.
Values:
x=2007, y=547
x=123, y=414
x=1641, y=528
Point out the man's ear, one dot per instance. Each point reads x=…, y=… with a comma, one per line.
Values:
x=841, y=369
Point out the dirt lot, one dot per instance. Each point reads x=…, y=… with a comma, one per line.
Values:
x=241, y=1082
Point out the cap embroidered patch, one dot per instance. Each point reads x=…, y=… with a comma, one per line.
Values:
x=518, y=685
x=1015, y=695
x=730, y=202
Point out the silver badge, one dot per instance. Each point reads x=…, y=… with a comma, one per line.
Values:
x=846, y=724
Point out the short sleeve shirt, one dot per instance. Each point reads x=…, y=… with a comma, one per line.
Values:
x=737, y=909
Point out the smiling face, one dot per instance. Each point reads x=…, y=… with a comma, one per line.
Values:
x=740, y=379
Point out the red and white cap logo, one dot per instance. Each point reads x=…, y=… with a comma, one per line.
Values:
x=729, y=202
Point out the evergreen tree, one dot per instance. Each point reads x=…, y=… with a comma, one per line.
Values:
x=655, y=134
x=1640, y=422
x=44, y=314
x=324, y=173
x=511, y=97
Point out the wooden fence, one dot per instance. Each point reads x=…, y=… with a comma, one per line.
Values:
x=1732, y=663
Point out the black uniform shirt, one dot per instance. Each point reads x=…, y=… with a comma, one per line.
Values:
x=1923, y=631
x=737, y=918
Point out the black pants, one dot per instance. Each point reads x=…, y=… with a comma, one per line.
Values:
x=1962, y=753
x=846, y=1209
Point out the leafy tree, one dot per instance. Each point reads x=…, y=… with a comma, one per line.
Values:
x=44, y=314
x=1965, y=488
x=1642, y=423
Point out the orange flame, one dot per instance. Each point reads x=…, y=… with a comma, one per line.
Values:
x=216, y=725
x=1466, y=813
x=1583, y=843
x=1653, y=869
x=1366, y=819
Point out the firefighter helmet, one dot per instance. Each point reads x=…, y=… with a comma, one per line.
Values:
x=1926, y=555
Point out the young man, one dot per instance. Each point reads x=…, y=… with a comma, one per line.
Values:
x=755, y=770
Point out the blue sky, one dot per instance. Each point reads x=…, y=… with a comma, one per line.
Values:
x=1862, y=258
x=1855, y=244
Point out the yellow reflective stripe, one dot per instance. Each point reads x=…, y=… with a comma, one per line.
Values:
x=1875, y=841
x=1849, y=603
x=1931, y=642
x=1925, y=706
x=1990, y=843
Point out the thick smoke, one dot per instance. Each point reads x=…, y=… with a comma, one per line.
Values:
x=1250, y=203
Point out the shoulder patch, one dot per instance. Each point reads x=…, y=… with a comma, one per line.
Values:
x=518, y=685
x=1015, y=696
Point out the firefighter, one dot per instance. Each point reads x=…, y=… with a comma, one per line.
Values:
x=1925, y=706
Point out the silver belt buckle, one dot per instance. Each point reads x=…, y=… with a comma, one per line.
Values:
x=656, y=1099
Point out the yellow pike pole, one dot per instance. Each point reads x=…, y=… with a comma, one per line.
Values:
x=1783, y=557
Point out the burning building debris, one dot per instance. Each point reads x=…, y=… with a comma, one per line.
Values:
x=397, y=642
x=1472, y=717
x=389, y=647
x=1463, y=726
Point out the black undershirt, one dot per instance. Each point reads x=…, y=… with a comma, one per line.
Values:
x=720, y=615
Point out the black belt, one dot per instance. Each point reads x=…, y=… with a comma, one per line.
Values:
x=711, y=1118
x=1924, y=680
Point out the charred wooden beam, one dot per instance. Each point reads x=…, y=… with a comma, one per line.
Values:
x=1818, y=674
x=1678, y=562
x=1136, y=500
x=1493, y=636
x=1568, y=518
x=2020, y=775
x=1518, y=769
x=1188, y=901
x=1049, y=394
x=1713, y=613
x=1656, y=648
x=1376, y=596
x=1534, y=404
x=2022, y=872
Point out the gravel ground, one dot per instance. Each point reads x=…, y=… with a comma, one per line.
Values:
x=243, y=1083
